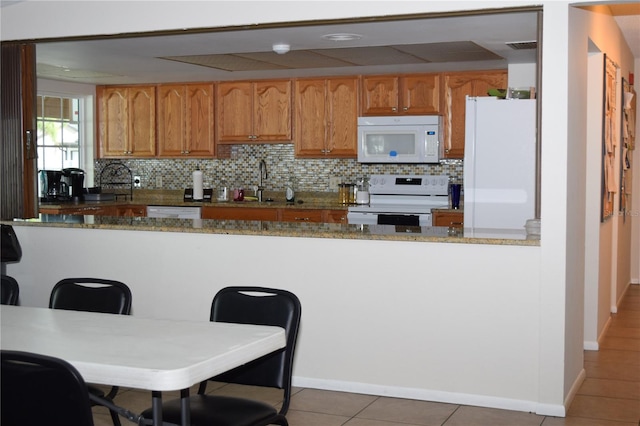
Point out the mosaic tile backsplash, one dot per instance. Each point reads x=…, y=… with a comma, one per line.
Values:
x=242, y=169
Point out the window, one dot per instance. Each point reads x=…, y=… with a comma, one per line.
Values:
x=58, y=123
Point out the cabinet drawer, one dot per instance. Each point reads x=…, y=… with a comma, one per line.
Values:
x=452, y=219
x=335, y=216
x=301, y=215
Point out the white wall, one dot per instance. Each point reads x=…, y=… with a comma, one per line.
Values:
x=593, y=148
x=389, y=318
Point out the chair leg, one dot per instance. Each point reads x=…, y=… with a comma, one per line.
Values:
x=115, y=418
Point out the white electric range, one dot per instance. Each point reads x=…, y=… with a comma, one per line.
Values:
x=405, y=200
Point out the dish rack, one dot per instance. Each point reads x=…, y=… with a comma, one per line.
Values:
x=116, y=178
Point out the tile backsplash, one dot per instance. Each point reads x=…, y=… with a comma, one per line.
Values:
x=242, y=169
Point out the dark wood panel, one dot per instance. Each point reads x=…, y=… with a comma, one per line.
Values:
x=18, y=146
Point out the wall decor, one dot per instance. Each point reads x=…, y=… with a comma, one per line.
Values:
x=627, y=139
x=609, y=139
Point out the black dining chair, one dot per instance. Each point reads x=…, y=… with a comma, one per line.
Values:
x=40, y=390
x=247, y=305
x=10, y=291
x=93, y=295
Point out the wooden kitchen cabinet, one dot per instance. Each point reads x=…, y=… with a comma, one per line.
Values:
x=457, y=86
x=447, y=218
x=126, y=121
x=411, y=94
x=240, y=213
x=334, y=216
x=254, y=112
x=77, y=210
x=130, y=210
x=185, y=120
x=326, y=118
x=301, y=215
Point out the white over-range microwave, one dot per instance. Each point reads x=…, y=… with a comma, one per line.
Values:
x=401, y=139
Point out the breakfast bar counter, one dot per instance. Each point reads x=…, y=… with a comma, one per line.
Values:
x=284, y=229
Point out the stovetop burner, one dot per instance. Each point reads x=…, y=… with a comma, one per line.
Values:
x=406, y=193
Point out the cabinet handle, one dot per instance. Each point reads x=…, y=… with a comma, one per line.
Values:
x=405, y=109
x=394, y=109
x=301, y=218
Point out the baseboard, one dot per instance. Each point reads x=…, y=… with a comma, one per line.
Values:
x=432, y=395
x=590, y=346
x=575, y=387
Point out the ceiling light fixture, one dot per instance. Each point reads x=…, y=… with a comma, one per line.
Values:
x=342, y=37
x=281, y=48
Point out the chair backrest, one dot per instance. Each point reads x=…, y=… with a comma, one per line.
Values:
x=10, y=291
x=91, y=294
x=263, y=306
x=41, y=390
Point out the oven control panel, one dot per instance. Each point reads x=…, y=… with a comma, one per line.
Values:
x=409, y=184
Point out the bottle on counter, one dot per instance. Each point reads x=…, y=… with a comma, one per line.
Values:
x=290, y=192
x=362, y=190
x=223, y=191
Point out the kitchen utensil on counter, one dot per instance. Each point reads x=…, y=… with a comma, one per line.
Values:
x=290, y=193
x=75, y=183
x=362, y=191
x=454, y=195
x=238, y=194
x=52, y=187
x=347, y=193
x=223, y=192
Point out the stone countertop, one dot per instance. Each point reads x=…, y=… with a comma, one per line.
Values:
x=304, y=200
x=285, y=229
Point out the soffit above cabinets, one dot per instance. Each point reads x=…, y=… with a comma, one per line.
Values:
x=391, y=45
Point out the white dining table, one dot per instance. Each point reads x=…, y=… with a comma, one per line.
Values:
x=143, y=353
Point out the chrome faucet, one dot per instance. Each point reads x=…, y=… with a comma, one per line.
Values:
x=262, y=173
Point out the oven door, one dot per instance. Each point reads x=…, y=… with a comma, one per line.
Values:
x=378, y=218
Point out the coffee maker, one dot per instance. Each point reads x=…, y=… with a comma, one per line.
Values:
x=52, y=187
x=75, y=183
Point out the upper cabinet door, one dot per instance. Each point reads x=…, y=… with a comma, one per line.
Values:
x=142, y=124
x=326, y=117
x=457, y=86
x=420, y=94
x=113, y=123
x=171, y=120
x=199, y=120
x=311, y=117
x=380, y=95
x=272, y=111
x=254, y=112
x=185, y=120
x=235, y=111
x=126, y=121
x=342, y=104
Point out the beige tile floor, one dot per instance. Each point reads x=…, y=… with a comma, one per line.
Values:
x=609, y=396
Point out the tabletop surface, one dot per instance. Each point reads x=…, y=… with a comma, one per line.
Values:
x=123, y=350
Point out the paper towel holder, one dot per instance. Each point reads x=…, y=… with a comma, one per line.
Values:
x=207, y=195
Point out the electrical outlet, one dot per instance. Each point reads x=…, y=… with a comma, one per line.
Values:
x=136, y=182
x=334, y=181
x=159, y=181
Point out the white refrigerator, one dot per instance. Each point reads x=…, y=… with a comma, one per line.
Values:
x=499, y=163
